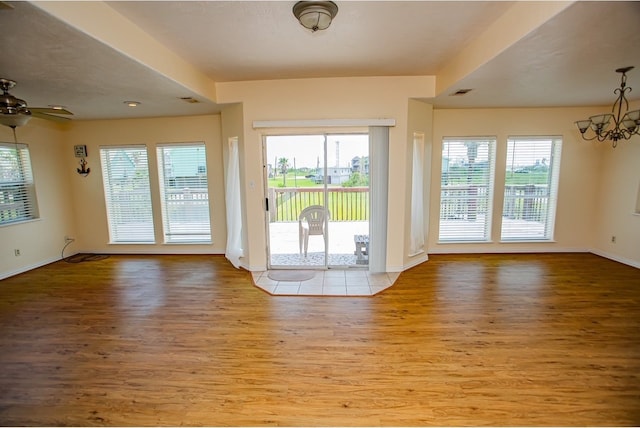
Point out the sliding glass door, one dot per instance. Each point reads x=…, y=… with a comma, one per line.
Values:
x=318, y=200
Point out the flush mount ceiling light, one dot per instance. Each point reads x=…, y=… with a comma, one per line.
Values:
x=315, y=15
x=626, y=124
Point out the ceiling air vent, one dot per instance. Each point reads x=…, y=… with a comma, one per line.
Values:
x=189, y=100
x=460, y=92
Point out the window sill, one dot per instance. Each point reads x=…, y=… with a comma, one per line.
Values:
x=464, y=242
x=188, y=243
x=528, y=241
x=15, y=223
x=131, y=243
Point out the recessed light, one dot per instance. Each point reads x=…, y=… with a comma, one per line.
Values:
x=460, y=92
x=189, y=100
x=132, y=103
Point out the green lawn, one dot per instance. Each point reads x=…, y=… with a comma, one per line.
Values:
x=292, y=181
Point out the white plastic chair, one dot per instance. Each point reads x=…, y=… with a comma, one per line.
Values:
x=312, y=222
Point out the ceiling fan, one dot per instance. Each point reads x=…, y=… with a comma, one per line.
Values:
x=14, y=111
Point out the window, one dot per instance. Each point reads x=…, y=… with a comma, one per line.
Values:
x=125, y=174
x=17, y=189
x=466, y=189
x=184, y=192
x=530, y=189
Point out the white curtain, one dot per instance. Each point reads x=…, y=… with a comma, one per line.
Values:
x=233, y=204
x=379, y=194
x=417, y=196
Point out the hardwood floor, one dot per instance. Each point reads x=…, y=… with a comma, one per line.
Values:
x=542, y=339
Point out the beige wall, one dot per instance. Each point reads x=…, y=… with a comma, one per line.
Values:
x=598, y=186
x=40, y=241
x=339, y=98
x=88, y=194
x=419, y=120
x=618, y=194
x=578, y=183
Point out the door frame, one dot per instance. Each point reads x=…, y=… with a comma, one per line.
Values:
x=325, y=134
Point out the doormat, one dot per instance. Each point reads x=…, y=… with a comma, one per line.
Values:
x=291, y=275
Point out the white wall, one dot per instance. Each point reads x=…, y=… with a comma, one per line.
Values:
x=420, y=119
x=598, y=186
x=338, y=98
x=579, y=174
x=618, y=193
x=88, y=192
x=40, y=241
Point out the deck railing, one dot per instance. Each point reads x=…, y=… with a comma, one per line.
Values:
x=344, y=203
x=527, y=202
x=457, y=202
x=466, y=202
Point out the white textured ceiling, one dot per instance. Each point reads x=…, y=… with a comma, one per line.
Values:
x=569, y=60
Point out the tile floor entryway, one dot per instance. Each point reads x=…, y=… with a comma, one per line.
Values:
x=338, y=282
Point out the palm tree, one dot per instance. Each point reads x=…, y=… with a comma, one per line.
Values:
x=283, y=165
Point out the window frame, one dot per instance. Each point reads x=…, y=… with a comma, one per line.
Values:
x=487, y=200
x=549, y=214
x=198, y=199
x=26, y=206
x=134, y=235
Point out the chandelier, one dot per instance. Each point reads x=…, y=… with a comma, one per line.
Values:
x=625, y=125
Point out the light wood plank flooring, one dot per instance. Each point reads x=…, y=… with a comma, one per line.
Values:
x=188, y=340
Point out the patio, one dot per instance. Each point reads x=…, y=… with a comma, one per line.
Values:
x=285, y=248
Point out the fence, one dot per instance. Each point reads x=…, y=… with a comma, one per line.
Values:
x=526, y=202
x=17, y=202
x=466, y=202
x=188, y=205
x=463, y=202
x=344, y=203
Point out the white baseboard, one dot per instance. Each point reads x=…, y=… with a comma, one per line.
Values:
x=415, y=261
x=167, y=250
x=253, y=268
x=505, y=250
x=27, y=268
x=617, y=258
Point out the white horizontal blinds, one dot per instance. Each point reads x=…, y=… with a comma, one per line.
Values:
x=531, y=187
x=17, y=189
x=184, y=192
x=125, y=173
x=466, y=189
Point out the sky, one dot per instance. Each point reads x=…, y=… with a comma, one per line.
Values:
x=527, y=152
x=308, y=149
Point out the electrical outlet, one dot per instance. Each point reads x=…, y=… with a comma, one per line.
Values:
x=16, y=252
x=613, y=239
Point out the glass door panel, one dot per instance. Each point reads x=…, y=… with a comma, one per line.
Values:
x=294, y=171
x=348, y=199
x=318, y=215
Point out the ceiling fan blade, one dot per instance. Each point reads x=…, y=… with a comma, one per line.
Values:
x=49, y=110
x=49, y=117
